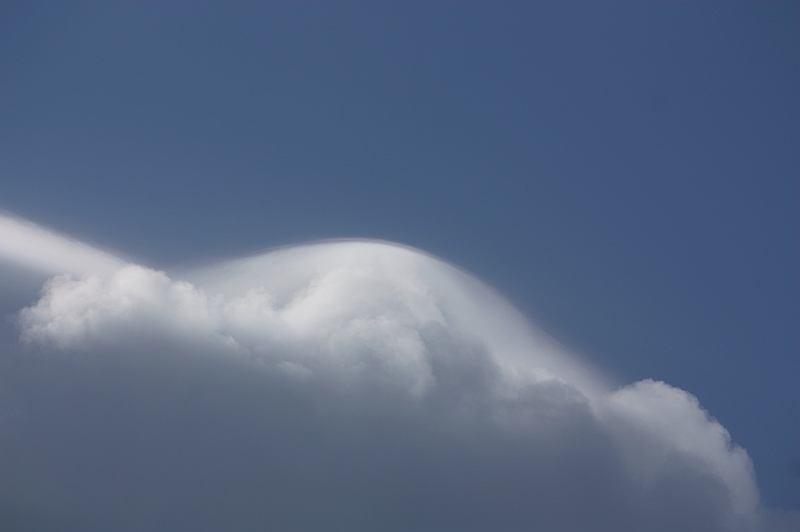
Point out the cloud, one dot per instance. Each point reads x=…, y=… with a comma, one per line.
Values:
x=348, y=385
x=33, y=247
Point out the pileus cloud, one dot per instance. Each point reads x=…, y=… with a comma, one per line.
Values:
x=354, y=385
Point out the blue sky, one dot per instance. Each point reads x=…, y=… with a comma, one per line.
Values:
x=626, y=174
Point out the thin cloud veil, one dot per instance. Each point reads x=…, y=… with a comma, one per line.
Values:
x=344, y=385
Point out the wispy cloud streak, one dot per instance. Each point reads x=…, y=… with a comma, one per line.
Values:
x=31, y=246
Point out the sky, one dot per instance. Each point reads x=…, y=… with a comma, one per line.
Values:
x=624, y=175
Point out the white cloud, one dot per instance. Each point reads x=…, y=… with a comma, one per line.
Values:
x=343, y=385
x=32, y=246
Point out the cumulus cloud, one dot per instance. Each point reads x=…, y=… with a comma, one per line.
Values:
x=349, y=385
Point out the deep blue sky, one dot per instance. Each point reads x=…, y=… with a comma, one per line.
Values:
x=627, y=173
